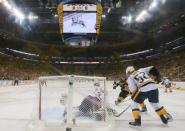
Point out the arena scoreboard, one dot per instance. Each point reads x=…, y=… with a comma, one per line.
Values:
x=80, y=18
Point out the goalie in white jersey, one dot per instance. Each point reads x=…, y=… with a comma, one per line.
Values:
x=142, y=85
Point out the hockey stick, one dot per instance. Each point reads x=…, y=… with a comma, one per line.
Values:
x=122, y=102
x=125, y=100
x=118, y=115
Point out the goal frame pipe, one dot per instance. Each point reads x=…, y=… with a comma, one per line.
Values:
x=40, y=97
x=105, y=104
x=68, y=76
x=70, y=102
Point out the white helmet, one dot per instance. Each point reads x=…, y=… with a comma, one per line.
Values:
x=129, y=70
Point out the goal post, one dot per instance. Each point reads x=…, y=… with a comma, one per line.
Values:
x=74, y=100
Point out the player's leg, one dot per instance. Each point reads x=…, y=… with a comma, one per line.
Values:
x=138, y=98
x=136, y=114
x=162, y=112
x=143, y=107
x=153, y=97
x=167, y=115
x=166, y=89
x=170, y=88
x=121, y=97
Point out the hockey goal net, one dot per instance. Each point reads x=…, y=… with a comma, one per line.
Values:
x=74, y=100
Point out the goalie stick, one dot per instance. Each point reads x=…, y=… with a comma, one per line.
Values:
x=119, y=114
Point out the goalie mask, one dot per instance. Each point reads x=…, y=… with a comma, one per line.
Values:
x=98, y=93
x=96, y=83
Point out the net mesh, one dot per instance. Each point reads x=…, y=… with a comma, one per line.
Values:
x=73, y=99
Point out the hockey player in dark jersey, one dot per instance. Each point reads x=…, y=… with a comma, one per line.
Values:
x=125, y=92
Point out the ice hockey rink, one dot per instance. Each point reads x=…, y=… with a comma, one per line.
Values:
x=17, y=108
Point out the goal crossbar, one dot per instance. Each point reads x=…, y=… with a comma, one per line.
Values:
x=68, y=76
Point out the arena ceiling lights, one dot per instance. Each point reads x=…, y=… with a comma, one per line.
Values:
x=153, y=5
x=17, y=13
x=13, y=10
x=31, y=16
x=145, y=14
x=127, y=19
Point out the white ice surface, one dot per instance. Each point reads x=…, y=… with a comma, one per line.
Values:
x=17, y=105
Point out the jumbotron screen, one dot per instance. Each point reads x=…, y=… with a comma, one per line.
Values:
x=79, y=22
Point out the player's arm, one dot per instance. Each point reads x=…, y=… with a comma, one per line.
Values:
x=132, y=87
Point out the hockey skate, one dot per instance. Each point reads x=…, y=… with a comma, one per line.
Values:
x=143, y=110
x=169, y=117
x=164, y=120
x=136, y=124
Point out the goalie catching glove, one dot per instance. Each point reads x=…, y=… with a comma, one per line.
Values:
x=115, y=85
